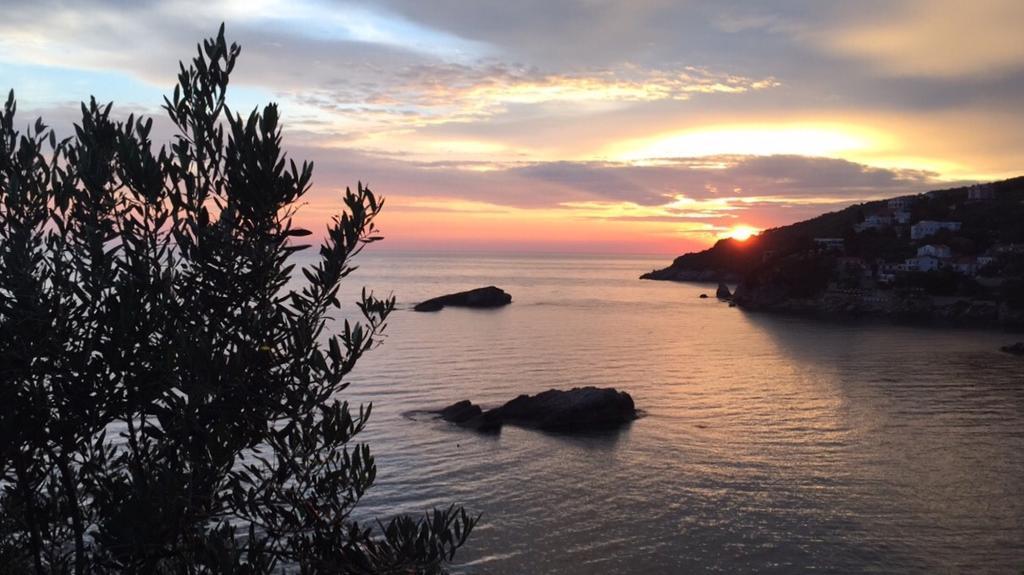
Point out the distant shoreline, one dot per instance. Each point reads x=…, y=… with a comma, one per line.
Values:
x=952, y=256
x=874, y=306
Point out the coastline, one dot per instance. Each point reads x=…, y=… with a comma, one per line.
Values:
x=891, y=306
x=677, y=275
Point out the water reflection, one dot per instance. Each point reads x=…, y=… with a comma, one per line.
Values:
x=771, y=444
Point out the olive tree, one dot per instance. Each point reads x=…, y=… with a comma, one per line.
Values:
x=168, y=403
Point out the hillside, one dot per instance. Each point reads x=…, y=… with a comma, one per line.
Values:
x=889, y=256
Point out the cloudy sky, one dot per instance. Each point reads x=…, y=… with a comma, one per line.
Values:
x=573, y=125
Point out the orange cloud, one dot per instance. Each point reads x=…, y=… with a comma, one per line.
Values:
x=944, y=38
x=443, y=223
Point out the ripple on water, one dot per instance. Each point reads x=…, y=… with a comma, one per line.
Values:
x=772, y=444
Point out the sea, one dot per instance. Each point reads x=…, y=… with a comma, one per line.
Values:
x=768, y=444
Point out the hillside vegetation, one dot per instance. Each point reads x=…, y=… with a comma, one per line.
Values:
x=887, y=256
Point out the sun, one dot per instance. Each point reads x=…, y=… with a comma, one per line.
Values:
x=742, y=233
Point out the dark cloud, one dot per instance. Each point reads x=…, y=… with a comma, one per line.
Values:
x=803, y=175
x=772, y=181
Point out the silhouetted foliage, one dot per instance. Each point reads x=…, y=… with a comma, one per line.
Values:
x=168, y=404
x=797, y=276
x=938, y=283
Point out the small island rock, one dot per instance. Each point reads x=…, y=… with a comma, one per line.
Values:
x=723, y=292
x=467, y=414
x=703, y=296
x=485, y=297
x=461, y=412
x=1015, y=349
x=578, y=409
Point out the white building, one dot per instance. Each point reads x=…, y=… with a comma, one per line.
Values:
x=830, y=244
x=935, y=251
x=921, y=264
x=926, y=228
x=901, y=204
x=1008, y=248
x=874, y=222
x=980, y=193
x=901, y=216
x=887, y=271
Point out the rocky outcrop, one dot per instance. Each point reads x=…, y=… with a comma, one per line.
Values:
x=723, y=292
x=466, y=414
x=895, y=304
x=1015, y=349
x=485, y=297
x=460, y=412
x=761, y=297
x=578, y=409
x=689, y=275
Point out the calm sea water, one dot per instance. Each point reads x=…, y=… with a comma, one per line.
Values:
x=770, y=444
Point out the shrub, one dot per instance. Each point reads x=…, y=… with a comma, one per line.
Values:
x=168, y=404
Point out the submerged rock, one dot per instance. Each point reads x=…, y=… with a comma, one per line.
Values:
x=578, y=409
x=484, y=297
x=1015, y=349
x=723, y=292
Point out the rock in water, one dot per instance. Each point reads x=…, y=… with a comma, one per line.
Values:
x=485, y=297
x=723, y=292
x=703, y=296
x=461, y=412
x=578, y=409
x=466, y=414
x=1015, y=349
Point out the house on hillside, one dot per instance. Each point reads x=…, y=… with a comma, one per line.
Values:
x=936, y=251
x=887, y=271
x=878, y=221
x=901, y=204
x=1007, y=249
x=927, y=228
x=921, y=264
x=830, y=244
x=981, y=193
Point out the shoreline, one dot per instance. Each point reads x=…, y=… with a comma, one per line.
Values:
x=882, y=306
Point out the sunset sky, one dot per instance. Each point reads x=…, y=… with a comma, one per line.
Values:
x=542, y=125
